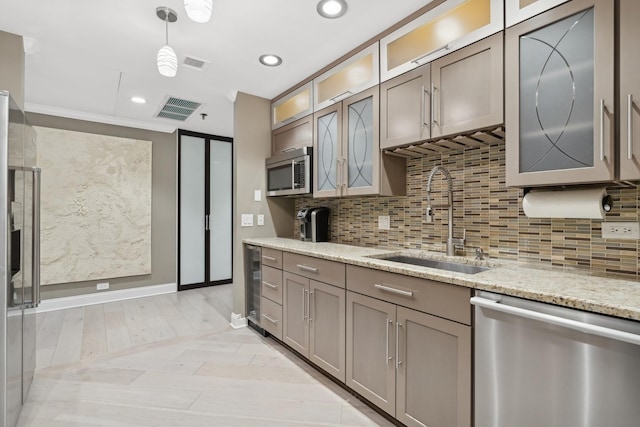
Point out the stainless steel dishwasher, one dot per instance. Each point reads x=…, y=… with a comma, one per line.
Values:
x=540, y=365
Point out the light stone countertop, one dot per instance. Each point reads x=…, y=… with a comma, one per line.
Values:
x=615, y=297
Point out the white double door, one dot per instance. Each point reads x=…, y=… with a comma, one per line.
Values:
x=205, y=210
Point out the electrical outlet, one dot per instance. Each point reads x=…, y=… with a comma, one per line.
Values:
x=384, y=222
x=102, y=286
x=621, y=230
x=260, y=219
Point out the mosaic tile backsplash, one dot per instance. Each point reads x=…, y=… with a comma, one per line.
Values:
x=492, y=215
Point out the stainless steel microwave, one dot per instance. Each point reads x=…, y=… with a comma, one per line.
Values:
x=289, y=173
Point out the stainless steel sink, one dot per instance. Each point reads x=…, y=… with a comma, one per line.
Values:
x=441, y=265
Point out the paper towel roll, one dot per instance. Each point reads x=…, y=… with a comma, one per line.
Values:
x=583, y=203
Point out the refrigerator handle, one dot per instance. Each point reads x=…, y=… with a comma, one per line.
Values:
x=35, y=264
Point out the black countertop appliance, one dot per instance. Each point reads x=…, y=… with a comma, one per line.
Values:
x=314, y=224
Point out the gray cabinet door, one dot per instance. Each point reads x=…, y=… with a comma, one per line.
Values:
x=560, y=96
x=295, y=331
x=294, y=135
x=371, y=350
x=405, y=108
x=327, y=328
x=433, y=383
x=629, y=111
x=467, y=88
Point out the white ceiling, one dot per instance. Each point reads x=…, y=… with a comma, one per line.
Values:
x=86, y=58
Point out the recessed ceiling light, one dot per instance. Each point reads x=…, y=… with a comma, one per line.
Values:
x=270, y=60
x=332, y=8
x=138, y=100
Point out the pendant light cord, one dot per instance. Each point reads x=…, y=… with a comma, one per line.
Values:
x=166, y=25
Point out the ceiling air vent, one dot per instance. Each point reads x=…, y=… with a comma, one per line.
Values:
x=195, y=63
x=178, y=109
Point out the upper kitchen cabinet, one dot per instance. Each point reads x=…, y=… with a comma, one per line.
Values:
x=560, y=96
x=444, y=29
x=294, y=135
x=293, y=106
x=360, y=72
x=520, y=10
x=457, y=93
x=467, y=88
x=405, y=108
x=347, y=157
x=629, y=111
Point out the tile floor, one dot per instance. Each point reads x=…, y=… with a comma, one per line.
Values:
x=173, y=360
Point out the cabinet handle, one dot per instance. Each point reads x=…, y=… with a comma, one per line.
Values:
x=393, y=290
x=423, y=106
x=431, y=52
x=629, y=126
x=304, y=307
x=310, y=304
x=270, y=319
x=340, y=97
x=339, y=178
x=387, y=357
x=269, y=258
x=602, y=130
x=345, y=177
x=269, y=285
x=307, y=268
x=398, y=361
x=433, y=105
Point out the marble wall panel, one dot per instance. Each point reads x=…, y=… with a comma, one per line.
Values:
x=95, y=204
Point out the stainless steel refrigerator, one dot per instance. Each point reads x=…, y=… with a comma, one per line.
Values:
x=19, y=258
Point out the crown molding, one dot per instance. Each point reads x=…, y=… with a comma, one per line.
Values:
x=98, y=118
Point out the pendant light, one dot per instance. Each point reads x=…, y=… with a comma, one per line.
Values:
x=199, y=10
x=167, y=60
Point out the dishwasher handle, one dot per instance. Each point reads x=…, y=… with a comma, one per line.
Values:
x=559, y=321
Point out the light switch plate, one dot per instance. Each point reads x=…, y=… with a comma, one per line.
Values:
x=257, y=195
x=384, y=222
x=247, y=220
x=260, y=219
x=621, y=230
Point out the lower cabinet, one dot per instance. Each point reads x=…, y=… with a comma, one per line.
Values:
x=414, y=366
x=402, y=343
x=314, y=322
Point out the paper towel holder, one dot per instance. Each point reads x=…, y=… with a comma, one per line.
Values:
x=607, y=200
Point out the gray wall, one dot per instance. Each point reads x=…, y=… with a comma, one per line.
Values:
x=163, y=206
x=12, y=66
x=252, y=135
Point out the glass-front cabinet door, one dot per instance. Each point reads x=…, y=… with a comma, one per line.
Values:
x=560, y=96
x=520, y=10
x=327, y=146
x=361, y=143
x=629, y=111
x=293, y=106
x=360, y=72
x=447, y=27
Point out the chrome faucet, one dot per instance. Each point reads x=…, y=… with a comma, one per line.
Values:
x=452, y=244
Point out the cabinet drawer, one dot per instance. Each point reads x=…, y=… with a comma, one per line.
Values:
x=272, y=284
x=318, y=269
x=272, y=257
x=440, y=299
x=271, y=317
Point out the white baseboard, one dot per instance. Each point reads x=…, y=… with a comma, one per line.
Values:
x=237, y=321
x=104, y=297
